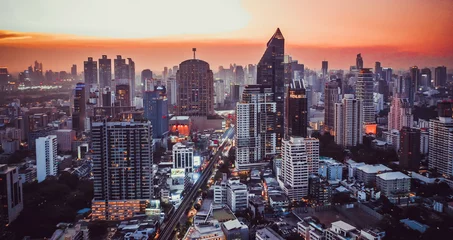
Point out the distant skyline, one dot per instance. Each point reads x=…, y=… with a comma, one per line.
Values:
x=156, y=33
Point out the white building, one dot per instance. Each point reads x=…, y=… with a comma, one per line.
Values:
x=183, y=157
x=300, y=158
x=267, y=234
x=342, y=230
x=392, y=138
x=237, y=195
x=393, y=183
x=46, y=157
x=310, y=230
x=367, y=173
x=352, y=167
x=220, y=192
x=219, y=89
x=400, y=114
x=441, y=145
x=378, y=100
x=348, y=121
x=330, y=169
x=424, y=141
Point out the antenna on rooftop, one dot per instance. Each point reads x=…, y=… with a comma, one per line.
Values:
x=194, y=51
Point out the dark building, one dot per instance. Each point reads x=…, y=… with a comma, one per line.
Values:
x=331, y=96
x=79, y=112
x=107, y=97
x=146, y=76
x=440, y=76
x=325, y=68
x=383, y=88
x=123, y=93
x=131, y=76
x=121, y=68
x=90, y=71
x=415, y=81
x=239, y=75
x=270, y=72
x=11, y=198
x=296, y=110
x=74, y=70
x=378, y=70
x=4, y=78
x=359, y=61
x=156, y=110
x=105, y=71
x=195, y=95
x=409, y=152
x=426, y=73
x=319, y=189
x=234, y=93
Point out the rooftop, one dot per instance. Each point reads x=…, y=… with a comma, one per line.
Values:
x=374, y=168
x=392, y=176
x=233, y=224
x=343, y=225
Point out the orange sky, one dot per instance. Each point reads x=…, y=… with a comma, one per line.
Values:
x=399, y=33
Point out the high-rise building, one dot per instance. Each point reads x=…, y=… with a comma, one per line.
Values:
x=122, y=168
x=325, y=68
x=123, y=93
x=409, y=152
x=364, y=93
x=79, y=111
x=296, y=119
x=400, y=114
x=195, y=94
x=90, y=71
x=165, y=74
x=251, y=74
x=237, y=195
x=156, y=110
x=440, y=76
x=172, y=91
x=348, y=121
x=121, y=68
x=147, y=75
x=4, y=78
x=107, y=97
x=105, y=71
x=183, y=157
x=426, y=77
x=46, y=157
x=239, y=75
x=300, y=159
x=415, y=83
x=387, y=74
x=359, y=62
x=219, y=89
x=74, y=70
x=270, y=72
x=11, y=197
x=131, y=77
x=331, y=96
x=441, y=140
x=378, y=70
x=255, y=126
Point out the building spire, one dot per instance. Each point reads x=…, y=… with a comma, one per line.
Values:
x=194, y=51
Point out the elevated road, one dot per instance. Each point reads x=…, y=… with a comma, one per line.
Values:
x=167, y=231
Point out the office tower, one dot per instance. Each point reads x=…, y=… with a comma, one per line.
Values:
x=165, y=74
x=123, y=93
x=426, y=77
x=239, y=75
x=383, y=88
x=11, y=196
x=415, y=83
x=300, y=159
x=409, y=152
x=348, y=121
x=46, y=157
x=90, y=73
x=121, y=68
x=387, y=74
x=79, y=111
x=234, y=94
x=195, y=94
x=359, y=62
x=107, y=97
x=287, y=69
x=296, y=119
x=400, y=114
x=131, y=77
x=122, y=168
x=255, y=126
x=270, y=72
x=147, y=76
x=219, y=89
x=378, y=70
x=183, y=157
x=441, y=140
x=251, y=70
x=440, y=76
x=364, y=93
x=156, y=110
x=74, y=70
x=331, y=96
x=325, y=68
x=172, y=91
x=105, y=71
x=298, y=70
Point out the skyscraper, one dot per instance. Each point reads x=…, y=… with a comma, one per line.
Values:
x=74, y=70
x=270, y=72
x=296, y=119
x=348, y=121
x=122, y=162
x=183, y=157
x=325, y=68
x=255, y=125
x=426, y=74
x=400, y=114
x=121, y=68
x=90, y=73
x=440, y=76
x=441, y=140
x=131, y=77
x=239, y=75
x=79, y=111
x=300, y=159
x=409, y=152
x=105, y=71
x=364, y=93
x=378, y=70
x=156, y=110
x=11, y=197
x=359, y=62
x=146, y=76
x=195, y=95
x=46, y=157
x=123, y=93
x=331, y=96
x=415, y=83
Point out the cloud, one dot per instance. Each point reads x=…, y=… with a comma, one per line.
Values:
x=4, y=35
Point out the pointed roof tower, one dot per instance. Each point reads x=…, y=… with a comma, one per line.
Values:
x=277, y=35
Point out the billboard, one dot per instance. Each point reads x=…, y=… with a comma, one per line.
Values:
x=178, y=172
x=196, y=161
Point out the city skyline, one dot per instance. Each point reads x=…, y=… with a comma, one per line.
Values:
x=346, y=28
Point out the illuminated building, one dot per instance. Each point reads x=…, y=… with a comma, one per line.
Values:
x=364, y=93
x=331, y=97
x=300, y=158
x=255, y=126
x=79, y=111
x=270, y=72
x=105, y=71
x=11, y=197
x=123, y=93
x=90, y=71
x=441, y=140
x=122, y=162
x=180, y=126
x=195, y=94
x=296, y=120
x=348, y=121
x=46, y=157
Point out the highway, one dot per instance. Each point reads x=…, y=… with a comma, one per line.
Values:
x=167, y=230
